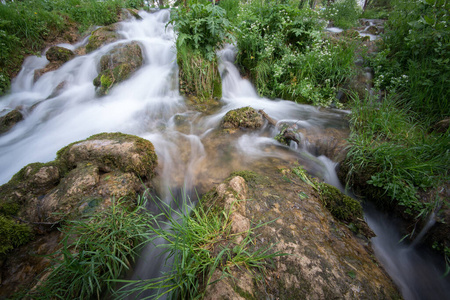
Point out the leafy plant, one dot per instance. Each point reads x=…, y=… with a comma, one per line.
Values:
x=198, y=242
x=343, y=13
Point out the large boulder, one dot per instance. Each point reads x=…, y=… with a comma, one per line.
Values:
x=85, y=177
x=324, y=259
x=118, y=65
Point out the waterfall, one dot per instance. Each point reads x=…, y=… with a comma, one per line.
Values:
x=190, y=155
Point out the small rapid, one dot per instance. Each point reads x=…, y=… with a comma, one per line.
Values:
x=62, y=107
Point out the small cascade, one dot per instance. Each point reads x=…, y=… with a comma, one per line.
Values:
x=191, y=155
x=430, y=223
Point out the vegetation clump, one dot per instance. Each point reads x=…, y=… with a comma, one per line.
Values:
x=94, y=252
x=13, y=234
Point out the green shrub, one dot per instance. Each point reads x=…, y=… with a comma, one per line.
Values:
x=283, y=50
x=343, y=13
x=415, y=57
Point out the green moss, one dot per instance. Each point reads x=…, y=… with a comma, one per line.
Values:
x=246, y=117
x=13, y=234
x=249, y=176
x=341, y=206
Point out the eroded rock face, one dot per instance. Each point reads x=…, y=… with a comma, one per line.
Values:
x=325, y=260
x=118, y=65
x=84, y=178
x=245, y=117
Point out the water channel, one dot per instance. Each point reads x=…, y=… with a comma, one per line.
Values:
x=190, y=153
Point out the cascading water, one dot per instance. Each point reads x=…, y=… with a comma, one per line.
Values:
x=190, y=154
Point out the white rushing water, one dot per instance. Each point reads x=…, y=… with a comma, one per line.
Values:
x=147, y=105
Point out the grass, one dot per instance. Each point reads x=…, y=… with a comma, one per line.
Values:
x=397, y=153
x=198, y=242
x=94, y=251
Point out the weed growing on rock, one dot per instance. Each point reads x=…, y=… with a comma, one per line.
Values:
x=198, y=242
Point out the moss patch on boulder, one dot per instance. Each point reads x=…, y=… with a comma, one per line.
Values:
x=118, y=65
x=56, y=53
x=102, y=36
x=341, y=206
x=245, y=117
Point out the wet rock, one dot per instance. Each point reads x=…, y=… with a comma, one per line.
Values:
x=84, y=178
x=324, y=258
x=101, y=37
x=57, y=57
x=246, y=118
x=129, y=13
x=118, y=65
x=9, y=120
x=59, y=54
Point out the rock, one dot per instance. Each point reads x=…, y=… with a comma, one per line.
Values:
x=324, y=260
x=57, y=57
x=84, y=178
x=9, y=120
x=101, y=37
x=245, y=117
x=372, y=30
x=129, y=13
x=118, y=65
x=60, y=54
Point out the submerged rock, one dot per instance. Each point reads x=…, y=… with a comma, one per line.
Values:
x=245, y=117
x=9, y=120
x=324, y=259
x=118, y=65
x=85, y=177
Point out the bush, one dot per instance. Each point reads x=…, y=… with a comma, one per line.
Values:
x=282, y=49
x=343, y=13
x=415, y=57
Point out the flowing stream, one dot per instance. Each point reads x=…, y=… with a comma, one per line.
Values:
x=191, y=154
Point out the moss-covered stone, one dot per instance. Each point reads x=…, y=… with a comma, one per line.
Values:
x=341, y=206
x=117, y=66
x=102, y=36
x=56, y=53
x=245, y=117
x=9, y=120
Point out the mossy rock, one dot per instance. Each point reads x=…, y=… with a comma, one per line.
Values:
x=117, y=66
x=102, y=36
x=341, y=206
x=113, y=151
x=245, y=117
x=9, y=120
x=56, y=53
x=13, y=234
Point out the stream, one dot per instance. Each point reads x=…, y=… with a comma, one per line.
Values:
x=191, y=154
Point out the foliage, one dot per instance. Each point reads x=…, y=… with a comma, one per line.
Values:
x=94, y=252
x=282, y=49
x=399, y=154
x=12, y=234
x=343, y=13
x=200, y=27
x=198, y=242
x=416, y=55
